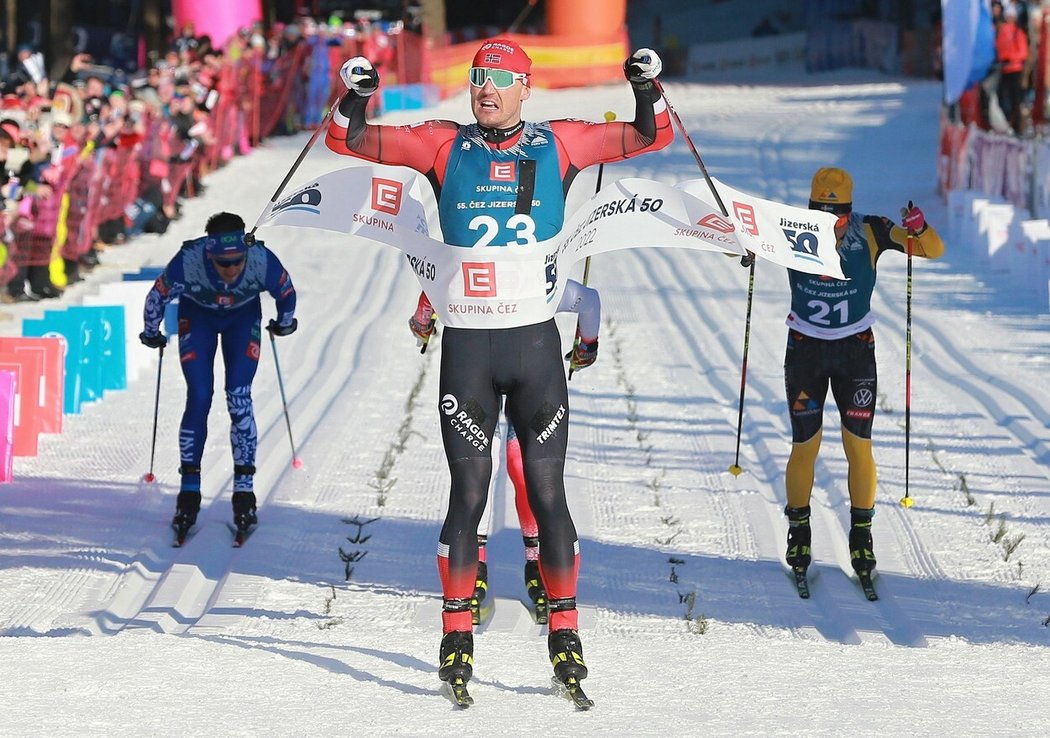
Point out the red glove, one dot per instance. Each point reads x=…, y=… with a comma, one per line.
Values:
x=584, y=352
x=912, y=218
x=422, y=323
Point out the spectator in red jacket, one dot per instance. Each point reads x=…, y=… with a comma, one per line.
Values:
x=1011, y=50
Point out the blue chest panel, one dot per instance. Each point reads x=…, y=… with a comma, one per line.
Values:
x=482, y=187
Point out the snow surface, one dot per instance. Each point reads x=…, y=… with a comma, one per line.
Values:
x=689, y=622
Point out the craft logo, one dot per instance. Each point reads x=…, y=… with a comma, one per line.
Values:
x=386, y=195
x=479, y=279
x=746, y=215
x=502, y=171
x=716, y=223
x=308, y=199
x=805, y=405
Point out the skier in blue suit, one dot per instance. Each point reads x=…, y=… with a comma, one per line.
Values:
x=218, y=279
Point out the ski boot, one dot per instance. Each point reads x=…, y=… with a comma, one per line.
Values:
x=799, y=538
x=187, y=505
x=244, y=517
x=481, y=589
x=566, y=652
x=457, y=665
x=861, y=550
x=538, y=595
x=457, y=656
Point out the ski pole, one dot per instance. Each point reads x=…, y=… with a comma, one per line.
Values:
x=513, y=27
x=689, y=141
x=907, y=501
x=735, y=468
x=610, y=116
x=302, y=155
x=296, y=461
x=149, y=476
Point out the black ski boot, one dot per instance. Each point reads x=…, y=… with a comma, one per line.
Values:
x=187, y=505
x=799, y=538
x=534, y=586
x=861, y=550
x=566, y=652
x=244, y=517
x=457, y=656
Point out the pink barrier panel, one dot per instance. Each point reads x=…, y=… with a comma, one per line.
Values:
x=218, y=20
x=8, y=405
x=29, y=367
x=53, y=355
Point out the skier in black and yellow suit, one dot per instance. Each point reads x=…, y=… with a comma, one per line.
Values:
x=830, y=343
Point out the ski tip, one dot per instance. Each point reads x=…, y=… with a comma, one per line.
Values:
x=572, y=691
x=456, y=691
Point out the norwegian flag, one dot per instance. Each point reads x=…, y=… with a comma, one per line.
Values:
x=493, y=57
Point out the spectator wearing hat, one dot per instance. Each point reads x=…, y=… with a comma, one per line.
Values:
x=830, y=343
x=36, y=222
x=218, y=279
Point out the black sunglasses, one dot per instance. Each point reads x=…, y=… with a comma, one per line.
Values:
x=228, y=263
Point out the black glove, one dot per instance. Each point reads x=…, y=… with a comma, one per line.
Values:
x=153, y=340
x=747, y=260
x=276, y=329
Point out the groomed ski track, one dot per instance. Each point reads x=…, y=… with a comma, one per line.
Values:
x=653, y=434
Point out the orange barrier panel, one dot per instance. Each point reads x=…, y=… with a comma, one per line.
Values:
x=590, y=18
x=53, y=353
x=29, y=367
x=557, y=61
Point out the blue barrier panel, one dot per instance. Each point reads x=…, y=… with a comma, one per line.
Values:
x=86, y=329
x=408, y=97
x=109, y=341
x=73, y=335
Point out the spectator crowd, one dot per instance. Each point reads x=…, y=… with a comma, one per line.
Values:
x=99, y=156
